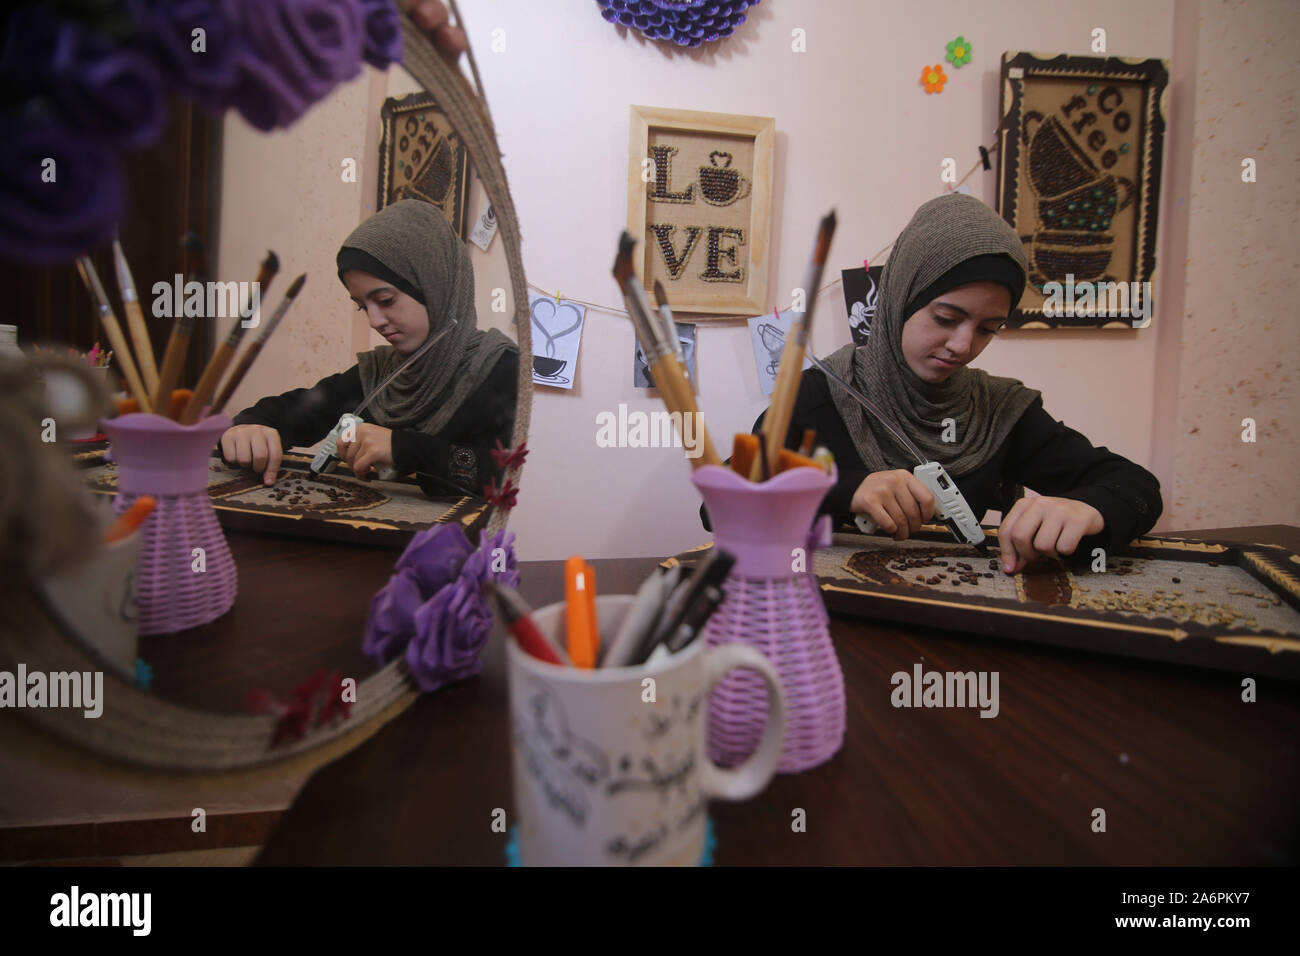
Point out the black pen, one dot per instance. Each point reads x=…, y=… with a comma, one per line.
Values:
x=696, y=617
x=712, y=571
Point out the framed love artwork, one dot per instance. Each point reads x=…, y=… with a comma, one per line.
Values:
x=699, y=203
x=1079, y=155
x=421, y=157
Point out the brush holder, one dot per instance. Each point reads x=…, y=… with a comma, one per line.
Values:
x=178, y=587
x=773, y=604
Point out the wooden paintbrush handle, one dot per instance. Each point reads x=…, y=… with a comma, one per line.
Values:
x=143, y=347
x=676, y=391
x=203, y=391
x=777, y=423
x=177, y=345
x=122, y=352
x=237, y=376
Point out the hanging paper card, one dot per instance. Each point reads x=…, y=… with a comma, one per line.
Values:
x=861, y=288
x=767, y=334
x=641, y=377
x=557, y=333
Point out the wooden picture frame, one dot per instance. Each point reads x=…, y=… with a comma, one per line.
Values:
x=699, y=204
x=405, y=509
x=1046, y=612
x=421, y=157
x=1080, y=146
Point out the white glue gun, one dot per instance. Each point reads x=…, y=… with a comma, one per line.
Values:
x=949, y=506
x=327, y=457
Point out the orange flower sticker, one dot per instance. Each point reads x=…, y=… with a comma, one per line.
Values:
x=933, y=78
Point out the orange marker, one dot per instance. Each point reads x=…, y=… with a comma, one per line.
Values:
x=744, y=451
x=180, y=398
x=583, y=640
x=131, y=519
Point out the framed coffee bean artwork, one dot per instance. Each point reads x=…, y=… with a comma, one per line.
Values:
x=421, y=157
x=1080, y=147
x=699, y=200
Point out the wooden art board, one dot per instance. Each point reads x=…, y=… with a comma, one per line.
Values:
x=336, y=507
x=1234, y=607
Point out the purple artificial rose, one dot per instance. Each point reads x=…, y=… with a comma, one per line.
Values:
x=113, y=94
x=391, y=622
x=202, y=65
x=383, y=33
x=435, y=556
x=295, y=52
x=60, y=193
x=450, y=631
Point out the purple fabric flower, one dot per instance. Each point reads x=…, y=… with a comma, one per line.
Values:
x=110, y=93
x=391, y=622
x=383, y=33
x=434, y=605
x=167, y=29
x=435, y=556
x=296, y=52
x=44, y=221
x=453, y=625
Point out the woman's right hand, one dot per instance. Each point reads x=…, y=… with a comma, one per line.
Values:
x=253, y=446
x=896, y=500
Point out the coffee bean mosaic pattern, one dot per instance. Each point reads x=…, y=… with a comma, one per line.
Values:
x=337, y=506
x=1210, y=596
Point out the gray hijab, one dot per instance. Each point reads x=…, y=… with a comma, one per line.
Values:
x=412, y=238
x=942, y=234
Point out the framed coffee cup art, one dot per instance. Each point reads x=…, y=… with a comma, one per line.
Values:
x=1080, y=148
x=699, y=204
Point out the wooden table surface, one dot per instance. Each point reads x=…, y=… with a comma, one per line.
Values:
x=1186, y=772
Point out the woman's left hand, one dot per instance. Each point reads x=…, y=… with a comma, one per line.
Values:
x=371, y=447
x=1043, y=526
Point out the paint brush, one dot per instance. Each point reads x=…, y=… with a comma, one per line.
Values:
x=178, y=344
x=116, y=337
x=667, y=371
x=135, y=319
x=669, y=326
x=225, y=353
x=255, y=347
x=796, y=343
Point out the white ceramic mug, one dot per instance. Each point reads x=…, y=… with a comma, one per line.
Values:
x=610, y=765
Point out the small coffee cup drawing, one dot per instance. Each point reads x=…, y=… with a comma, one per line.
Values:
x=722, y=185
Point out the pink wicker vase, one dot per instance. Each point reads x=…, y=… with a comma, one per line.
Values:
x=777, y=610
x=159, y=457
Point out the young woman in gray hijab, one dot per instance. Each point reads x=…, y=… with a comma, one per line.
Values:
x=439, y=419
x=950, y=282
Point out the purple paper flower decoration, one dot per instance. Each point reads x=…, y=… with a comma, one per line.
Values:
x=391, y=623
x=296, y=52
x=435, y=556
x=383, y=33
x=434, y=608
x=684, y=22
x=196, y=43
x=60, y=193
x=110, y=93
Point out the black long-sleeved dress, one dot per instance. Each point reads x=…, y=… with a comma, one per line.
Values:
x=1039, y=453
x=458, y=458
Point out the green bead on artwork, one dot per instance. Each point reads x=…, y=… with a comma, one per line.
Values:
x=1065, y=220
x=1123, y=147
x=1092, y=89
x=1049, y=213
